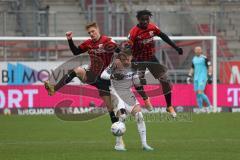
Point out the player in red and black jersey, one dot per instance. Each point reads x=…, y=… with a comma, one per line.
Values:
x=141, y=37
x=100, y=49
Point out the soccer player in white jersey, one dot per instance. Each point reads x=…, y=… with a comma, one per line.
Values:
x=202, y=69
x=124, y=101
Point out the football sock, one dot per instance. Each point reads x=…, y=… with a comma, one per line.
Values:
x=205, y=99
x=118, y=140
x=141, y=127
x=113, y=116
x=141, y=91
x=168, y=98
x=166, y=88
x=199, y=100
x=65, y=79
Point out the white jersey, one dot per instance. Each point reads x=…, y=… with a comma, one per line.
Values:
x=130, y=79
x=122, y=96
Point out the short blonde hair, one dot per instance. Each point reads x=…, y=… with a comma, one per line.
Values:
x=91, y=24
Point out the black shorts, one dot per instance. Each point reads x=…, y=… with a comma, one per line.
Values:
x=101, y=84
x=158, y=70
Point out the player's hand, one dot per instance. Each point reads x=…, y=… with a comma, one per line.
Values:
x=69, y=35
x=117, y=76
x=210, y=79
x=179, y=50
x=189, y=79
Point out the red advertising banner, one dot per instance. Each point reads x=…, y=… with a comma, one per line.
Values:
x=230, y=72
x=35, y=96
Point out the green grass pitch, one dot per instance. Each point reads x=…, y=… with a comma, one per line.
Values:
x=205, y=137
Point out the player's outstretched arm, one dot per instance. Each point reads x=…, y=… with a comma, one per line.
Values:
x=75, y=50
x=166, y=39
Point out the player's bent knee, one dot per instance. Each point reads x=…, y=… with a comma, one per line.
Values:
x=80, y=71
x=136, y=109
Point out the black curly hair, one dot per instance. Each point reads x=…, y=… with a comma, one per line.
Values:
x=143, y=12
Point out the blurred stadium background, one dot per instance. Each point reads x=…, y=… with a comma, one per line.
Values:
x=26, y=63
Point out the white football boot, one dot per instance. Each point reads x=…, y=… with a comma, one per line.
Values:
x=147, y=148
x=119, y=144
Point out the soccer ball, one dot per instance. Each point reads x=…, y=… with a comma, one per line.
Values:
x=118, y=128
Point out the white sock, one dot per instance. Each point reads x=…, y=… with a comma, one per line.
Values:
x=118, y=140
x=141, y=127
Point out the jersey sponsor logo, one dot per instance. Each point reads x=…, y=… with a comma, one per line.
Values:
x=146, y=38
x=98, y=50
x=146, y=41
x=128, y=76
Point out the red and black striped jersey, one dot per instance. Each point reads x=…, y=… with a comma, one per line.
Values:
x=143, y=43
x=99, y=57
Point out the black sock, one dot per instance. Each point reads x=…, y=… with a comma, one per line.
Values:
x=168, y=98
x=166, y=88
x=141, y=91
x=113, y=116
x=65, y=80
